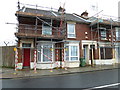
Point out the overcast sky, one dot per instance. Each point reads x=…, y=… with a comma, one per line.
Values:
x=9, y=7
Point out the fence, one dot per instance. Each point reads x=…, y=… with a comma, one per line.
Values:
x=7, y=56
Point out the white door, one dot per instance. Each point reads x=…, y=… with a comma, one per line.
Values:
x=86, y=54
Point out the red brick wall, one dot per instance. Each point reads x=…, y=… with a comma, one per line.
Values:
x=80, y=32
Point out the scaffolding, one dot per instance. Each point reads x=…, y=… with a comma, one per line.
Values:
x=59, y=31
x=95, y=33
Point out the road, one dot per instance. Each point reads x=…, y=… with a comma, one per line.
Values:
x=87, y=80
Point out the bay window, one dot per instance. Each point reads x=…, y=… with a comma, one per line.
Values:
x=44, y=53
x=72, y=52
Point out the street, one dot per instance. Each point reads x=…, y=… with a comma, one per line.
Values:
x=87, y=80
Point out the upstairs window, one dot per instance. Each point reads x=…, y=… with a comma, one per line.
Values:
x=103, y=33
x=71, y=30
x=46, y=28
x=118, y=34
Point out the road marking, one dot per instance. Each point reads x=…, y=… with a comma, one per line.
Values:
x=104, y=86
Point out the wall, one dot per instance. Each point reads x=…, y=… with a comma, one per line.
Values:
x=80, y=30
x=104, y=62
x=56, y=64
x=7, y=56
x=0, y=56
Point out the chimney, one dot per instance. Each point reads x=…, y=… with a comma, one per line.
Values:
x=61, y=10
x=84, y=15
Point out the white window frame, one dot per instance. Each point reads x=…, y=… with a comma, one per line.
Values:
x=43, y=53
x=68, y=33
x=69, y=45
x=105, y=35
x=117, y=34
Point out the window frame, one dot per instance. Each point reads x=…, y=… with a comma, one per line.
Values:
x=68, y=31
x=103, y=36
x=41, y=60
x=44, y=25
x=104, y=51
x=26, y=45
x=117, y=34
x=69, y=49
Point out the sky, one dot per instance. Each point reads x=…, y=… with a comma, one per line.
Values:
x=9, y=7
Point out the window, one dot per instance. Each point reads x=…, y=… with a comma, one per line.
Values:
x=71, y=30
x=118, y=52
x=117, y=34
x=106, y=53
x=46, y=28
x=72, y=53
x=26, y=45
x=44, y=53
x=103, y=33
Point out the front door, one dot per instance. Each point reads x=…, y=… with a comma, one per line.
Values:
x=26, y=62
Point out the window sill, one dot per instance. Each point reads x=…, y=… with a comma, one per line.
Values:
x=73, y=61
x=71, y=37
x=104, y=39
x=44, y=62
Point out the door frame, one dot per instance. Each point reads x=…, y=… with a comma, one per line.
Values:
x=86, y=52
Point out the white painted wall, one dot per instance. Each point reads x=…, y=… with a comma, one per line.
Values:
x=27, y=41
x=104, y=62
x=19, y=65
x=72, y=64
x=46, y=65
x=69, y=64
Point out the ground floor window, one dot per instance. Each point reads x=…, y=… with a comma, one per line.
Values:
x=45, y=53
x=72, y=52
x=106, y=53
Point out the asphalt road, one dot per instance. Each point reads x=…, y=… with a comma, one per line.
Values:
x=87, y=80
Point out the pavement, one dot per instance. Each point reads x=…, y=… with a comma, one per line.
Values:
x=9, y=73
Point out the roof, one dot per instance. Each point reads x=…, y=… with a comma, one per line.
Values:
x=50, y=14
x=31, y=12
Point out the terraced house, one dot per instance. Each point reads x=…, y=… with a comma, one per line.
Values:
x=62, y=39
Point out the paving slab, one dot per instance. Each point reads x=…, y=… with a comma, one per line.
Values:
x=8, y=73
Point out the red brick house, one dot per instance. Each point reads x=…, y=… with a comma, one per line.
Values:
x=104, y=32
x=61, y=39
